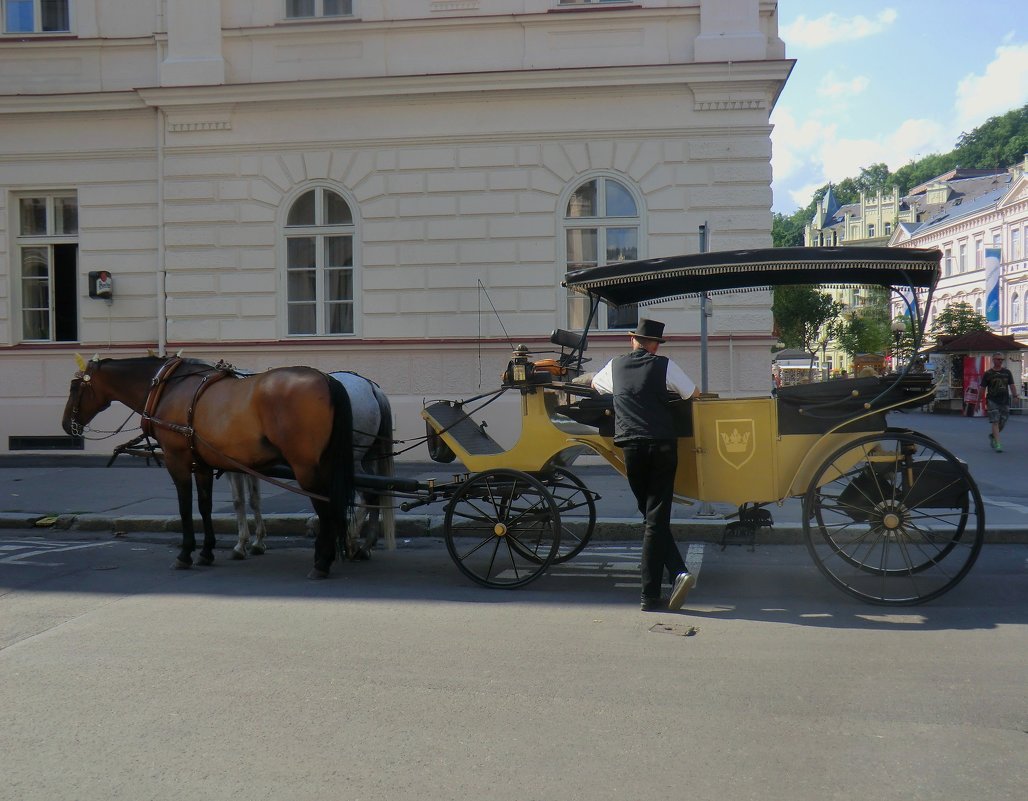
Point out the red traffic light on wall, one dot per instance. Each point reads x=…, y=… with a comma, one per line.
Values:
x=101, y=285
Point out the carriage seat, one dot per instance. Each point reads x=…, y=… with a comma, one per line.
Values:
x=598, y=411
x=817, y=408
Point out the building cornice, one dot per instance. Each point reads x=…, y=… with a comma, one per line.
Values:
x=746, y=85
x=747, y=80
x=70, y=103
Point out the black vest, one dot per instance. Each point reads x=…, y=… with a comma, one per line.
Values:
x=641, y=409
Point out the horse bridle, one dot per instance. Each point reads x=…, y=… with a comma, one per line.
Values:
x=79, y=383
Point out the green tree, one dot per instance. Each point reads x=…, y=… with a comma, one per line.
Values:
x=787, y=231
x=863, y=334
x=957, y=319
x=802, y=314
x=998, y=142
x=875, y=179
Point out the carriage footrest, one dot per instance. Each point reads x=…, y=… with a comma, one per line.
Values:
x=745, y=528
x=452, y=418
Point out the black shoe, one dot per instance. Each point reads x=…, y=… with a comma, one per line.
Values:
x=654, y=604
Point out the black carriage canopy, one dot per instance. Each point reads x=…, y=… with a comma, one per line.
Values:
x=672, y=277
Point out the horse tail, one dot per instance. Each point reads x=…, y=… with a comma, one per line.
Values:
x=384, y=465
x=339, y=456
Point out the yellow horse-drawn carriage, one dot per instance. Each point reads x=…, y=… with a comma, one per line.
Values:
x=889, y=515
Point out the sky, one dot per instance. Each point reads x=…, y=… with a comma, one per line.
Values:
x=878, y=81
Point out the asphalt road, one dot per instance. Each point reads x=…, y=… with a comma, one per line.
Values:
x=399, y=679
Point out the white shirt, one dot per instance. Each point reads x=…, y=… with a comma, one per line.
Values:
x=677, y=380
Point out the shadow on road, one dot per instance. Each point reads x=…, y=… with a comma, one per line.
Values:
x=775, y=584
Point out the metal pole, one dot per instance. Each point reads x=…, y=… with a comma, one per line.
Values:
x=703, y=319
x=706, y=509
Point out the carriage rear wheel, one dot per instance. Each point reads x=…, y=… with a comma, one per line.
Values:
x=894, y=518
x=502, y=528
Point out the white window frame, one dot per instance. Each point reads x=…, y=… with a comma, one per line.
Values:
x=48, y=240
x=37, y=18
x=601, y=222
x=320, y=232
x=319, y=11
x=1015, y=308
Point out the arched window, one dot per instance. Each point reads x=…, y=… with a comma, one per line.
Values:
x=602, y=225
x=1015, y=308
x=978, y=305
x=320, y=295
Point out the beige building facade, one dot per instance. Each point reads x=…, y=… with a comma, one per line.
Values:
x=394, y=188
x=964, y=229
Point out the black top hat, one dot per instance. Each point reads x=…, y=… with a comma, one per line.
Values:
x=650, y=329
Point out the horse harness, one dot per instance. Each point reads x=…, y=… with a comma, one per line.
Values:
x=149, y=421
x=153, y=398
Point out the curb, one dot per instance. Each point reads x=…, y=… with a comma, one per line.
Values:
x=408, y=526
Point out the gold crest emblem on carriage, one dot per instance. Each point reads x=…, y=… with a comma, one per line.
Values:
x=736, y=441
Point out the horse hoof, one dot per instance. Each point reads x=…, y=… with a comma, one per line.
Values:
x=258, y=550
x=181, y=564
x=237, y=555
x=361, y=555
x=205, y=561
x=317, y=574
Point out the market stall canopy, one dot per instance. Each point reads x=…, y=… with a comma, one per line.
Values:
x=793, y=355
x=977, y=342
x=654, y=280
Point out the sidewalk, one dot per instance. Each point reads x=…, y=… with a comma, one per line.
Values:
x=78, y=493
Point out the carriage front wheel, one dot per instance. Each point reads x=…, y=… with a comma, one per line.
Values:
x=502, y=528
x=893, y=518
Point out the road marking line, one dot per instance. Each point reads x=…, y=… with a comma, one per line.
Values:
x=1006, y=505
x=61, y=548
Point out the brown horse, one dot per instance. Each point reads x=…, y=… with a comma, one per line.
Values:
x=206, y=419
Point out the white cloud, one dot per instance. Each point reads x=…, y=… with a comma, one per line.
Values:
x=833, y=87
x=815, y=153
x=796, y=144
x=1003, y=86
x=832, y=28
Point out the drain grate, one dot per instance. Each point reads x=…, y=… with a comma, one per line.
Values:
x=677, y=629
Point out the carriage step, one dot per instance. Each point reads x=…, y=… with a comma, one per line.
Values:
x=367, y=481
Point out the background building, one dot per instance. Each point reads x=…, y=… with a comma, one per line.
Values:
x=969, y=216
x=357, y=185
x=938, y=212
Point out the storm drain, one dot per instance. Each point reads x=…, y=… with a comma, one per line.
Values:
x=677, y=629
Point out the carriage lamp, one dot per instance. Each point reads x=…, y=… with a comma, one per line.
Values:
x=519, y=368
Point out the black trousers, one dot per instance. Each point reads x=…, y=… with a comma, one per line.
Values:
x=651, y=466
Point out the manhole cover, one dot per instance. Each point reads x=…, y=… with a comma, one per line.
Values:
x=677, y=629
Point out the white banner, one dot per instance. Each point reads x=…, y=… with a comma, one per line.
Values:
x=992, y=271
